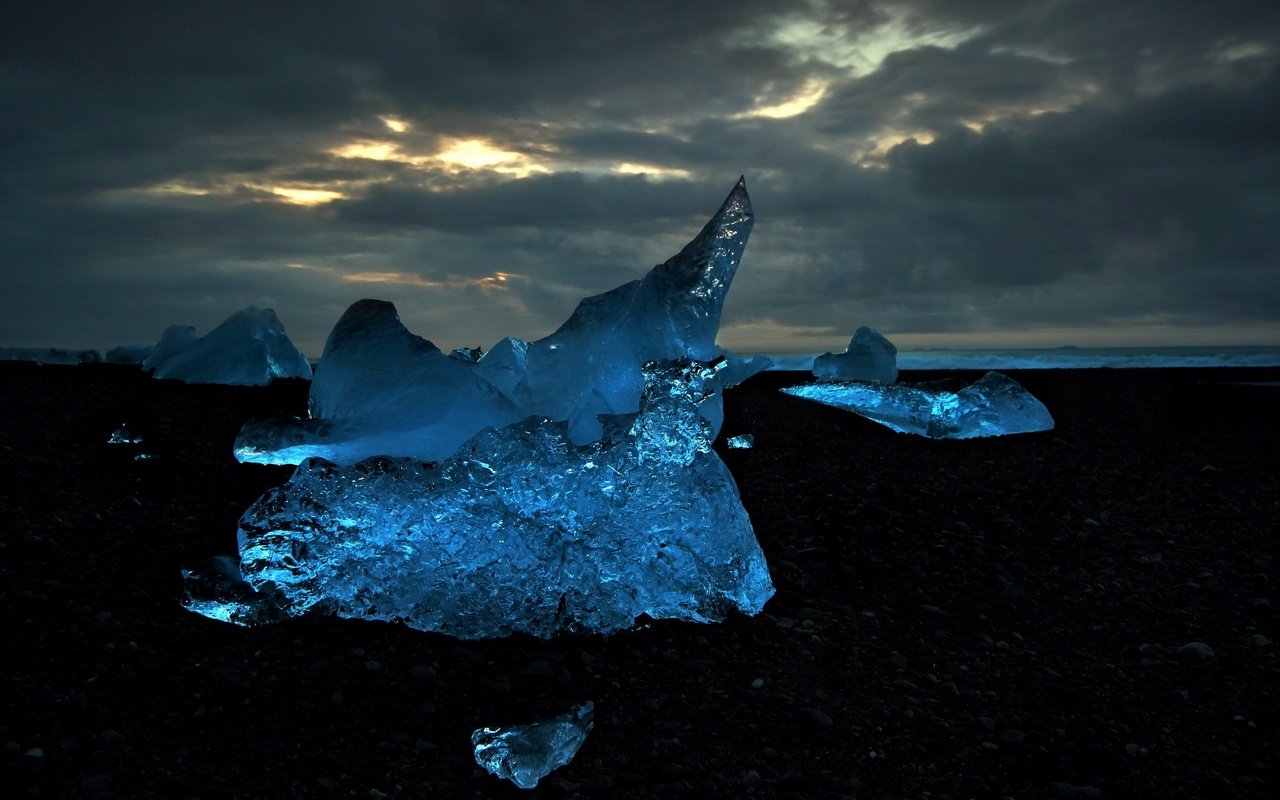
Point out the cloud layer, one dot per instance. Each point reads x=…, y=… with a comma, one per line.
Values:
x=1067, y=172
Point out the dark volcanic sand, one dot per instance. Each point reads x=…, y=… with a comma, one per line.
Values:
x=993, y=618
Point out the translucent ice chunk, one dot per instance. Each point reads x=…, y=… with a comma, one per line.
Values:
x=380, y=390
x=869, y=357
x=743, y=442
x=995, y=405
x=521, y=530
x=250, y=347
x=525, y=754
x=592, y=364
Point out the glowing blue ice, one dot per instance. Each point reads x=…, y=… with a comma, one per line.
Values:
x=381, y=390
x=744, y=442
x=869, y=357
x=418, y=402
x=995, y=405
x=250, y=347
x=525, y=754
x=593, y=363
x=519, y=531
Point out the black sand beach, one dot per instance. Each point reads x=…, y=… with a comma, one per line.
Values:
x=992, y=618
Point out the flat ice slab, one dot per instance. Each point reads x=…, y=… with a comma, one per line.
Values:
x=50, y=355
x=520, y=531
x=995, y=405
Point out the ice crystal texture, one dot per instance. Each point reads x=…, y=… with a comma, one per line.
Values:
x=380, y=390
x=250, y=347
x=995, y=405
x=869, y=357
x=521, y=530
x=744, y=442
x=525, y=754
x=399, y=395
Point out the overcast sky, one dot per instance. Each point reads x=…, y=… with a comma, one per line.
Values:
x=953, y=172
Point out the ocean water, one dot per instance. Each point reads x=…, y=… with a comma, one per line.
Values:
x=1065, y=358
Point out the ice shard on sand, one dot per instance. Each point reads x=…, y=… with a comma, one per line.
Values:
x=995, y=405
x=521, y=530
x=525, y=754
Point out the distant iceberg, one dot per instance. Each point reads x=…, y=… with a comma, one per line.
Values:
x=50, y=355
x=130, y=354
x=520, y=531
x=869, y=357
x=249, y=348
x=995, y=405
x=380, y=390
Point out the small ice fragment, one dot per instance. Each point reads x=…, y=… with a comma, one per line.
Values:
x=524, y=754
x=995, y=405
x=744, y=442
x=144, y=457
x=122, y=435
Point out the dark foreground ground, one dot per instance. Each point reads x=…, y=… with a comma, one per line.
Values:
x=993, y=618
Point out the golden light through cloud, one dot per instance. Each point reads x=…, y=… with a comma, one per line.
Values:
x=481, y=154
x=648, y=170
x=394, y=123
x=370, y=149
x=809, y=96
x=302, y=197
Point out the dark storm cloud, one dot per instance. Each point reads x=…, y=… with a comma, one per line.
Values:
x=1074, y=164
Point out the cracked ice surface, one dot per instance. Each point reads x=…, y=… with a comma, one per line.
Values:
x=519, y=531
x=591, y=365
x=869, y=357
x=525, y=754
x=249, y=348
x=380, y=390
x=995, y=405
